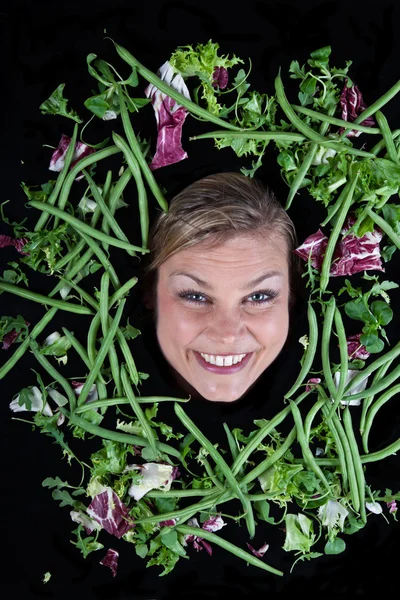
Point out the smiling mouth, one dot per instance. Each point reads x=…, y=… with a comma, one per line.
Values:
x=222, y=364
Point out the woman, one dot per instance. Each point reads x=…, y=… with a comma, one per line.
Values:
x=220, y=284
x=221, y=288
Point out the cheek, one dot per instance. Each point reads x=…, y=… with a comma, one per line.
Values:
x=174, y=323
x=274, y=329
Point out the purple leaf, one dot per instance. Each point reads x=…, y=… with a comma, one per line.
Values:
x=352, y=254
x=57, y=160
x=111, y=560
x=170, y=117
x=312, y=383
x=220, y=78
x=260, y=552
x=355, y=349
x=18, y=243
x=108, y=510
x=353, y=105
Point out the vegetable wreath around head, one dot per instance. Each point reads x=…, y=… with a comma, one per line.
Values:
x=138, y=486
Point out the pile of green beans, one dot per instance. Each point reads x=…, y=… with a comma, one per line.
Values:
x=105, y=342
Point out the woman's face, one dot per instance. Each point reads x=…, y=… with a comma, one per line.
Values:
x=222, y=313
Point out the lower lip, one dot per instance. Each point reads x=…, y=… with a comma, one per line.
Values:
x=222, y=370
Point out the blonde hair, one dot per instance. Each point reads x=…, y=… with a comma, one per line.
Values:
x=214, y=209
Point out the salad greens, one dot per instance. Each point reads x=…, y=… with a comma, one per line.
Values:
x=165, y=491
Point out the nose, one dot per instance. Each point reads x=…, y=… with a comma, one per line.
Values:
x=226, y=327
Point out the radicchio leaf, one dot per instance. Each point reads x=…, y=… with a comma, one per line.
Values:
x=355, y=349
x=111, y=560
x=170, y=117
x=353, y=105
x=111, y=513
x=57, y=160
x=352, y=254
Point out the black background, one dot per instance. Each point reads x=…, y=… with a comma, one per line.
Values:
x=45, y=45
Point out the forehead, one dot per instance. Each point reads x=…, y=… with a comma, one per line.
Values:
x=240, y=256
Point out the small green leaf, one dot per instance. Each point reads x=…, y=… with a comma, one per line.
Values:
x=382, y=312
x=336, y=546
x=56, y=104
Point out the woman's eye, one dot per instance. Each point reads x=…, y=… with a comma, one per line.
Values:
x=261, y=297
x=193, y=297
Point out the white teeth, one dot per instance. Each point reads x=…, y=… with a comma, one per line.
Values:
x=223, y=361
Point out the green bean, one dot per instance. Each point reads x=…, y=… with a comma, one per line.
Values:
x=170, y=91
x=344, y=359
x=113, y=197
x=270, y=460
x=325, y=344
x=374, y=409
x=381, y=144
x=378, y=362
x=60, y=179
x=378, y=104
x=78, y=248
x=310, y=351
x=92, y=337
x=83, y=293
x=305, y=448
x=94, y=246
x=368, y=401
x=319, y=116
x=223, y=466
x=106, y=402
x=106, y=213
x=83, y=163
x=69, y=257
x=348, y=426
x=262, y=433
x=351, y=473
x=339, y=447
x=231, y=441
x=122, y=291
x=54, y=374
x=85, y=228
x=213, y=538
x=112, y=353
x=291, y=115
x=142, y=196
x=301, y=173
x=22, y=348
x=338, y=147
x=138, y=412
x=103, y=351
x=384, y=225
x=333, y=238
x=311, y=416
x=210, y=473
x=281, y=136
x=118, y=189
x=390, y=450
x=381, y=454
x=189, y=511
x=78, y=347
x=378, y=387
x=188, y=493
x=135, y=148
x=127, y=354
x=335, y=207
x=45, y=300
x=116, y=436
x=387, y=136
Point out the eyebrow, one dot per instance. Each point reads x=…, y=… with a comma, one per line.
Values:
x=251, y=284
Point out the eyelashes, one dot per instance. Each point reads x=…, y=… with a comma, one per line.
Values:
x=195, y=297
